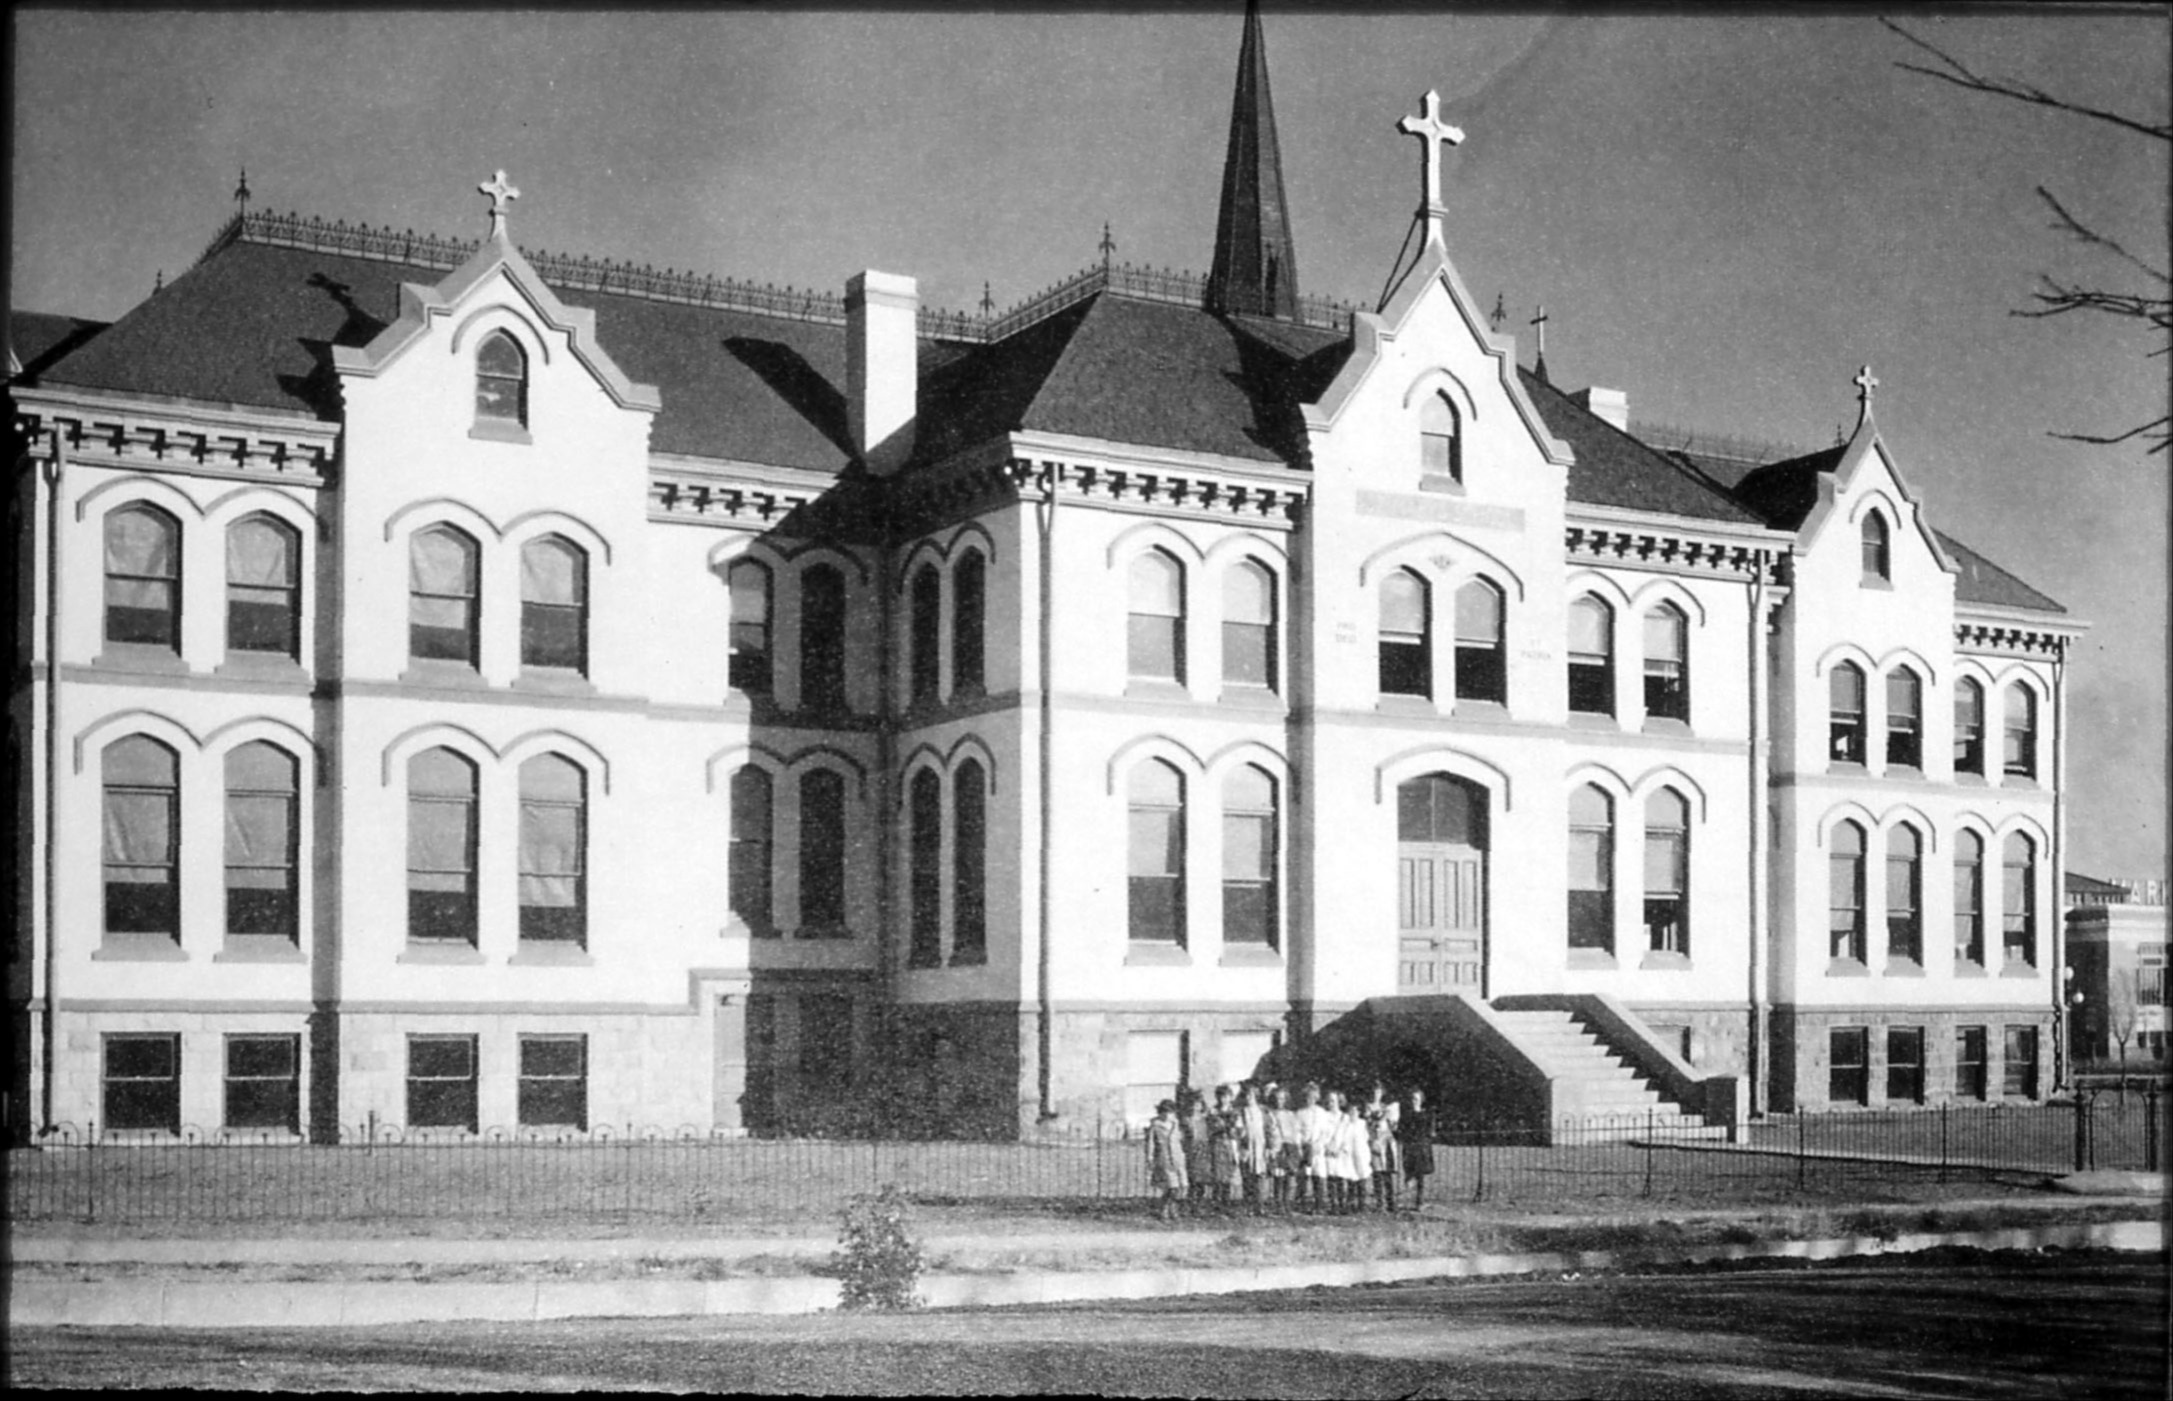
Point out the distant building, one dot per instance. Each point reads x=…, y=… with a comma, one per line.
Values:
x=472, y=688
x=2116, y=945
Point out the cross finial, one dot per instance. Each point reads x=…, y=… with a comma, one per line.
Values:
x=499, y=192
x=1865, y=383
x=1500, y=312
x=1541, y=322
x=1108, y=245
x=241, y=192
x=988, y=302
x=1431, y=132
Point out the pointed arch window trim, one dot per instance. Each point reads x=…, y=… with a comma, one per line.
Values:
x=1969, y=900
x=1406, y=635
x=1591, y=912
x=501, y=382
x=143, y=577
x=441, y=847
x=1248, y=625
x=749, y=882
x=1591, y=656
x=925, y=641
x=1904, y=896
x=140, y=778
x=1667, y=663
x=1845, y=714
x=1481, y=651
x=1155, y=863
x=1878, y=549
x=1441, y=441
x=1251, y=891
x=263, y=794
x=263, y=587
x=924, y=879
x=1845, y=894
x=969, y=864
x=1155, y=624
x=444, y=603
x=553, y=857
x=555, y=605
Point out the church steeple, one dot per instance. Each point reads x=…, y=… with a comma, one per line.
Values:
x=1256, y=265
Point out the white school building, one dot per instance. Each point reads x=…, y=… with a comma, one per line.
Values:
x=472, y=689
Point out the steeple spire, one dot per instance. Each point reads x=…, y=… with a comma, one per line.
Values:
x=1256, y=266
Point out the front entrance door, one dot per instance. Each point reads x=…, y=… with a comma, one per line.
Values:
x=1441, y=886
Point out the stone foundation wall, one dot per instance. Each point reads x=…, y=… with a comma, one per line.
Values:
x=1803, y=1063
x=1719, y=1037
x=79, y=1066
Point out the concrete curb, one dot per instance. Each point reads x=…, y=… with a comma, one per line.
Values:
x=205, y=1304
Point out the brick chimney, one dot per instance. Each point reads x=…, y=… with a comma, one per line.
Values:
x=1610, y=404
x=881, y=367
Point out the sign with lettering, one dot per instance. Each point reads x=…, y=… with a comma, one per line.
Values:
x=1447, y=510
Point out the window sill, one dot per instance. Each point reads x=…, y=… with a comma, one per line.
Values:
x=448, y=953
x=261, y=948
x=553, y=681
x=923, y=962
x=1872, y=581
x=976, y=959
x=1968, y=968
x=1847, y=768
x=1247, y=695
x=1911, y=772
x=443, y=675
x=140, y=656
x=1665, y=725
x=2024, y=781
x=1904, y=968
x=1593, y=720
x=1474, y=708
x=1157, y=956
x=2018, y=970
x=155, y=948
x=1846, y=968
x=1250, y=956
x=1658, y=959
x=1442, y=485
x=1159, y=688
x=823, y=933
x=490, y=431
x=1403, y=703
x=1591, y=958
x=535, y=953
x=1970, y=778
x=262, y=666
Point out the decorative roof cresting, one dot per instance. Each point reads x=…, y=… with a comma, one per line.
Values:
x=499, y=192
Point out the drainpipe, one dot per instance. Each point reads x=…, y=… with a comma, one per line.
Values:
x=52, y=470
x=1045, y=511
x=886, y=749
x=2057, y=920
x=1760, y=841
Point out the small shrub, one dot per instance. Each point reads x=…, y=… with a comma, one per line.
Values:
x=878, y=1263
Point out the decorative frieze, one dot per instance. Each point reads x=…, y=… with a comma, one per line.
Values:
x=2011, y=640
x=125, y=438
x=673, y=498
x=1170, y=489
x=1688, y=553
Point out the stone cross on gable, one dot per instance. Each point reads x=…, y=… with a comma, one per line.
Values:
x=499, y=192
x=1865, y=383
x=1431, y=132
x=1541, y=322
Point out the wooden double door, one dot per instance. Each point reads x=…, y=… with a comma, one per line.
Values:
x=1441, y=870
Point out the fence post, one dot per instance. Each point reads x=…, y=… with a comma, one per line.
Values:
x=2150, y=1127
x=1802, y=1157
x=1943, y=1108
x=2082, y=1127
x=90, y=1175
x=1478, y=1192
x=1648, y=1150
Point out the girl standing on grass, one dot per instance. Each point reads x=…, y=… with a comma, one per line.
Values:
x=1316, y=1127
x=1166, y=1158
x=1252, y=1144
x=1381, y=1140
x=1222, y=1131
x=1192, y=1115
x=1286, y=1151
x=1415, y=1131
x=1353, y=1158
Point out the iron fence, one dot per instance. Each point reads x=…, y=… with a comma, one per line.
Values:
x=689, y=1177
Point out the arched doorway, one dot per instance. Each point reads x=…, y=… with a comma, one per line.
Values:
x=1441, y=843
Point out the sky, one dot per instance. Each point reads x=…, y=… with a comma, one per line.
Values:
x=1725, y=212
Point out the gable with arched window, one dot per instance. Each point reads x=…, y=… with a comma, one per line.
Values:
x=263, y=587
x=443, y=568
x=501, y=382
x=143, y=577
x=1441, y=443
x=554, y=605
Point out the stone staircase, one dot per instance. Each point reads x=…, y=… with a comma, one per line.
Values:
x=1615, y=1101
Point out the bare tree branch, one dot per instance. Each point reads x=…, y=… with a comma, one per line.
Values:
x=2159, y=434
x=1953, y=70
x=2067, y=223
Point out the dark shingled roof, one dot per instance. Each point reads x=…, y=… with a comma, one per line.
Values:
x=1982, y=581
x=38, y=338
x=1615, y=469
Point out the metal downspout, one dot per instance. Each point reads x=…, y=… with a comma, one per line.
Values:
x=2058, y=905
x=1044, y=1032
x=1760, y=841
x=52, y=472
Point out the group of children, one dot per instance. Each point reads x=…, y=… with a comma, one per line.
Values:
x=1318, y=1157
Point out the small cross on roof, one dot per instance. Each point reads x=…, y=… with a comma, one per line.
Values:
x=499, y=192
x=1865, y=383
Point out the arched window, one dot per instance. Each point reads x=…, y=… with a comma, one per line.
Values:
x=555, y=605
x=263, y=587
x=822, y=638
x=1667, y=664
x=2018, y=901
x=1969, y=899
x=501, y=381
x=1406, y=632
x=1904, y=720
x=1878, y=549
x=1250, y=909
x=2018, y=756
x=1155, y=645
x=1845, y=892
x=143, y=577
x=441, y=601
x=1845, y=714
x=142, y=781
x=1248, y=625
x=1968, y=727
x=969, y=863
x=1667, y=873
x=927, y=624
x=926, y=842
x=261, y=791
x=1591, y=656
x=748, y=864
x=440, y=848
x=1441, y=452
x=1592, y=870
x=750, y=640
x=822, y=854
x=1904, y=896
x=553, y=856
x=1156, y=865
x=969, y=624
x=1480, y=673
